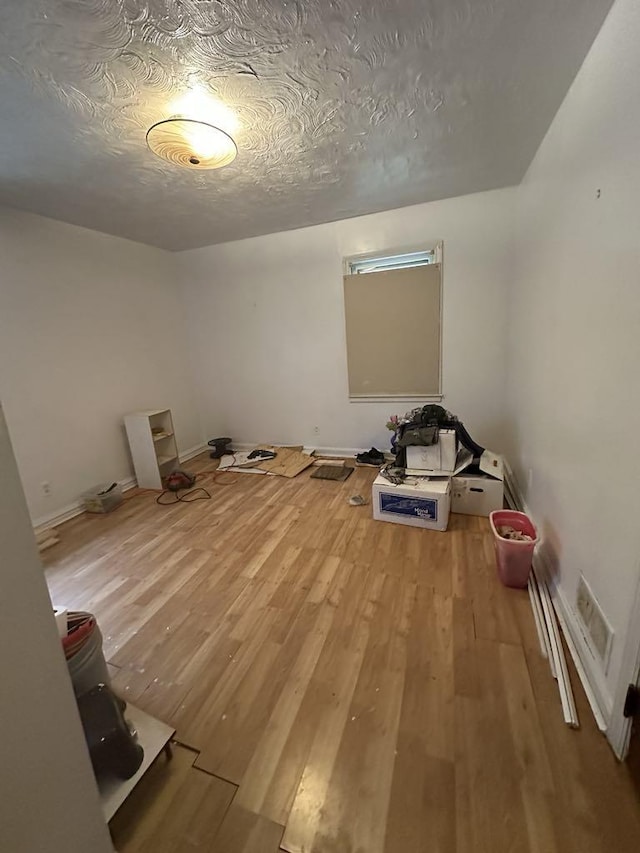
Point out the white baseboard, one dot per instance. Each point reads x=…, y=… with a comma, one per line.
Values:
x=196, y=450
x=340, y=452
x=584, y=658
x=58, y=516
x=586, y=663
x=66, y=513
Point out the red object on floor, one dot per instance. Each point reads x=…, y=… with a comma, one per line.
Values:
x=79, y=628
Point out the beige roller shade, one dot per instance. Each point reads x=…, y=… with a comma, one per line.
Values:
x=393, y=332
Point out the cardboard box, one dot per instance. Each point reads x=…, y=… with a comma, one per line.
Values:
x=418, y=502
x=479, y=494
x=436, y=457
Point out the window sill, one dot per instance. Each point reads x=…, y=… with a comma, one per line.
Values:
x=396, y=398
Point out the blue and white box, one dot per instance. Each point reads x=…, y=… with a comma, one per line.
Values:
x=419, y=502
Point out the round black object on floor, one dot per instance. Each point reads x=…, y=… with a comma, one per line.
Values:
x=220, y=447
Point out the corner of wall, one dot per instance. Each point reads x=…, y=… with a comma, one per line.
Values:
x=573, y=343
x=589, y=670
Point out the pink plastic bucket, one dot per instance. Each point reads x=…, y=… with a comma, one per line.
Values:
x=513, y=557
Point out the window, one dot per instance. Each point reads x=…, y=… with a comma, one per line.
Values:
x=391, y=262
x=393, y=325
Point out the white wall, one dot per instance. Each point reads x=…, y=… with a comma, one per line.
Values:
x=574, y=403
x=48, y=796
x=91, y=327
x=266, y=316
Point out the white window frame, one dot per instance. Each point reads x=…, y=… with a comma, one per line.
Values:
x=355, y=263
x=365, y=263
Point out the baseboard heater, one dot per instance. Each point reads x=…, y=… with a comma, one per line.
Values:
x=545, y=619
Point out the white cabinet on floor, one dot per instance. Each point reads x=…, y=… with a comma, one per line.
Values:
x=153, y=446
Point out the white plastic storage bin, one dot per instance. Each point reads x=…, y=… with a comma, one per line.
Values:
x=99, y=499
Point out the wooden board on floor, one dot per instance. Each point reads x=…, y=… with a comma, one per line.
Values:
x=243, y=831
x=174, y=808
x=289, y=461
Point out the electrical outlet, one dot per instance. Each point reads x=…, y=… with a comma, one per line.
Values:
x=598, y=630
x=46, y=488
x=316, y=430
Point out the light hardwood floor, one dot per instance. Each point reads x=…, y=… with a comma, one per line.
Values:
x=340, y=685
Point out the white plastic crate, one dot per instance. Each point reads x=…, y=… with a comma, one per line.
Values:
x=95, y=502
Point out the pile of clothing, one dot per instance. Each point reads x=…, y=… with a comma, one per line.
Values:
x=421, y=427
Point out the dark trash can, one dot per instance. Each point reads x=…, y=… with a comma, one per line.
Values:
x=219, y=446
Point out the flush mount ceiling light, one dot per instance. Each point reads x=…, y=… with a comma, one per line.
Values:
x=191, y=143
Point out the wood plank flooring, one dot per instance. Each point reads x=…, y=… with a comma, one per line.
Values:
x=340, y=685
x=180, y=808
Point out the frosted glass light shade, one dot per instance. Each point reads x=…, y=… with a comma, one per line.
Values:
x=191, y=143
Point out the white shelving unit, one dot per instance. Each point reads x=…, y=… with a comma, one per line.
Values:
x=153, y=446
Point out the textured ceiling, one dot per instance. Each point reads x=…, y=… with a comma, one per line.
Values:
x=344, y=107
